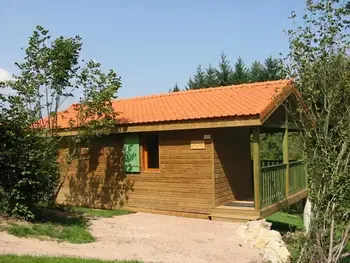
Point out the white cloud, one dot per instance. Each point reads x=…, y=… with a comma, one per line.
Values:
x=4, y=75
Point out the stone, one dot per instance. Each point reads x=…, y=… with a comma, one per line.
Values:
x=259, y=234
x=261, y=242
x=307, y=215
x=259, y=223
x=273, y=234
x=276, y=252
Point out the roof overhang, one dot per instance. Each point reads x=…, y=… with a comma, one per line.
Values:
x=224, y=122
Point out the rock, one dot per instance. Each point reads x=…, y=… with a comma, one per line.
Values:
x=259, y=235
x=259, y=223
x=307, y=215
x=276, y=252
x=261, y=242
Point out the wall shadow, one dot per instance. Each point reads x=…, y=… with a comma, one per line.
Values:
x=98, y=178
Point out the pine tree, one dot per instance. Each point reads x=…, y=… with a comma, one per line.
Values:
x=241, y=73
x=210, y=77
x=198, y=80
x=224, y=73
x=257, y=72
x=190, y=84
x=176, y=88
x=273, y=69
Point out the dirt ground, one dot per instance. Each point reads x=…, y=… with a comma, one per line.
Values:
x=148, y=238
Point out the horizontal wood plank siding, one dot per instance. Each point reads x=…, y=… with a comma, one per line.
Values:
x=183, y=182
x=232, y=165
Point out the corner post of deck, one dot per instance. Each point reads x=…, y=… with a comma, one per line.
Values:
x=286, y=153
x=256, y=166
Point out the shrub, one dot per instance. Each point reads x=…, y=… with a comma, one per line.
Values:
x=28, y=167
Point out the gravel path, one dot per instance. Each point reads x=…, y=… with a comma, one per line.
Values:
x=149, y=238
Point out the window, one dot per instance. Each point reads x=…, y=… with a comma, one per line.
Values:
x=151, y=152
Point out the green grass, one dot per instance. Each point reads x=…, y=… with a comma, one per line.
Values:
x=284, y=222
x=77, y=234
x=99, y=212
x=62, y=223
x=34, y=259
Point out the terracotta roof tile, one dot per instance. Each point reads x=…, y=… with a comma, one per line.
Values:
x=230, y=101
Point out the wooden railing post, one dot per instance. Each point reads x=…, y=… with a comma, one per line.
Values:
x=286, y=155
x=256, y=166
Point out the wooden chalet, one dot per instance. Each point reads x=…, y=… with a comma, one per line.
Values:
x=190, y=153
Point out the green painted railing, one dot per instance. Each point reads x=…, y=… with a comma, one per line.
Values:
x=272, y=184
x=297, y=177
x=270, y=162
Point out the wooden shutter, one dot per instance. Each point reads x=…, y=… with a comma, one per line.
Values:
x=74, y=147
x=132, y=153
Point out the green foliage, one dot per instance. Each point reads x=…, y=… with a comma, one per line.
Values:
x=224, y=75
x=28, y=167
x=320, y=64
x=224, y=72
x=273, y=69
x=198, y=79
x=240, y=74
x=44, y=259
x=51, y=73
x=210, y=77
x=176, y=88
x=257, y=72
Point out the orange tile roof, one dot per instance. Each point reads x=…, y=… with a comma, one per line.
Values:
x=244, y=100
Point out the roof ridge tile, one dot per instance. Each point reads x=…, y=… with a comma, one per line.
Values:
x=201, y=90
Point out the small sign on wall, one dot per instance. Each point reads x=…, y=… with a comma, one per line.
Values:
x=207, y=137
x=197, y=145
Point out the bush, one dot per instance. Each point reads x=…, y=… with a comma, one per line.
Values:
x=28, y=168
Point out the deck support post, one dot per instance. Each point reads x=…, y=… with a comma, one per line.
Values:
x=256, y=166
x=286, y=154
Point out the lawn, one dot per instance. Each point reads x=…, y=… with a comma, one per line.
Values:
x=99, y=212
x=62, y=223
x=284, y=222
x=34, y=259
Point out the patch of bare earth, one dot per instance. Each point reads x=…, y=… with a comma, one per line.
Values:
x=148, y=238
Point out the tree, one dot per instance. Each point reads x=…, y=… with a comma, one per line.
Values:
x=240, y=74
x=198, y=80
x=257, y=72
x=224, y=73
x=175, y=88
x=190, y=84
x=319, y=62
x=52, y=72
x=273, y=69
x=29, y=172
x=210, y=77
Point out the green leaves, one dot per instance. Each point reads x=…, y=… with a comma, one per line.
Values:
x=319, y=62
x=50, y=73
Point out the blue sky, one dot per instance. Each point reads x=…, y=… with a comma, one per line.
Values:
x=152, y=44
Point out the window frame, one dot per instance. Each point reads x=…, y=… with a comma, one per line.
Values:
x=145, y=167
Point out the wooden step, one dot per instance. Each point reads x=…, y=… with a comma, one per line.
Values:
x=230, y=211
x=232, y=217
